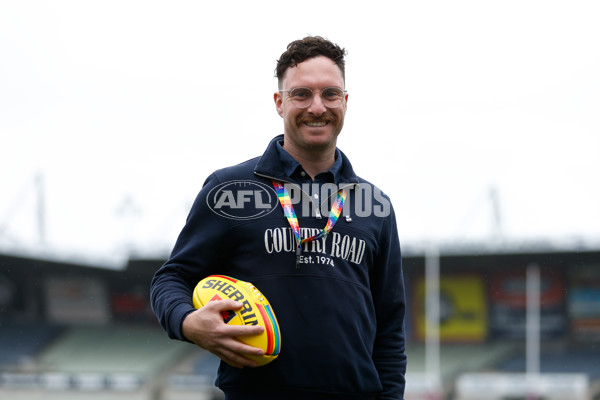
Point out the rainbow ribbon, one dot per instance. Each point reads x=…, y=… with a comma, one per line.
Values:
x=290, y=214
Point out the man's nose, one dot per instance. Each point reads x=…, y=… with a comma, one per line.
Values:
x=317, y=107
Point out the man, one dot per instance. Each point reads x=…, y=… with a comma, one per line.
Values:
x=335, y=285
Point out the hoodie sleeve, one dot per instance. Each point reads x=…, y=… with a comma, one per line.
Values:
x=196, y=254
x=389, y=299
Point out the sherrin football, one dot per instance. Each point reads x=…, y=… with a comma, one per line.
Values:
x=256, y=310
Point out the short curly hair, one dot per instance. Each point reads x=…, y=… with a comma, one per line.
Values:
x=309, y=47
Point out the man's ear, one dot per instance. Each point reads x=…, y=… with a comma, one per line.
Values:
x=278, y=103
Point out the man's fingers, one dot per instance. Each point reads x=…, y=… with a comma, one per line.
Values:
x=223, y=305
x=234, y=359
x=206, y=328
x=242, y=348
x=242, y=330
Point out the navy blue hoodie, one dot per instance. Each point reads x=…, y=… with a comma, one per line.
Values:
x=340, y=306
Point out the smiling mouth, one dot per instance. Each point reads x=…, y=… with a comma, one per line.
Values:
x=316, y=124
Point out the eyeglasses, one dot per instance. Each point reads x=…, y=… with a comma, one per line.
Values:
x=303, y=97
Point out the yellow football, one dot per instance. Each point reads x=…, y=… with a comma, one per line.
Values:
x=256, y=310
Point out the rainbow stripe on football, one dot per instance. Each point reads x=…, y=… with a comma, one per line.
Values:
x=256, y=310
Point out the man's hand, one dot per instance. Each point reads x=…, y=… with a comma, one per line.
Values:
x=206, y=328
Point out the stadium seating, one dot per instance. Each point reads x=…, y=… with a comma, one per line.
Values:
x=135, y=350
x=21, y=342
x=456, y=358
x=559, y=361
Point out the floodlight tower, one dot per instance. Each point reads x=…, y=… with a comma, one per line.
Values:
x=39, y=213
x=496, y=216
x=41, y=207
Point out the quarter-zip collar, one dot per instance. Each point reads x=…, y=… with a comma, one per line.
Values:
x=277, y=164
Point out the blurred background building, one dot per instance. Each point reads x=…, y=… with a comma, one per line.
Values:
x=74, y=330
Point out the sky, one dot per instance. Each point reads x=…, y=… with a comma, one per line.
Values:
x=119, y=110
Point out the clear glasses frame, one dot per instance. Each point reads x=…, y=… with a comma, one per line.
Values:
x=302, y=97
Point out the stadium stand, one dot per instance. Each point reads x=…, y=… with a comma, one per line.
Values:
x=455, y=358
x=192, y=377
x=559, y=361
x=136, y=350
x=118, y=361
x=71, y=332
x=21, y=342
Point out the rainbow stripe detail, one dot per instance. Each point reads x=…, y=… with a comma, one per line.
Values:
x=272, y=330
x=225, y=277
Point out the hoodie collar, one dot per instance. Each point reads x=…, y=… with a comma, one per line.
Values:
x=276, y=163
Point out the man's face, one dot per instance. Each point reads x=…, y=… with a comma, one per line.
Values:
x=316, y=127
